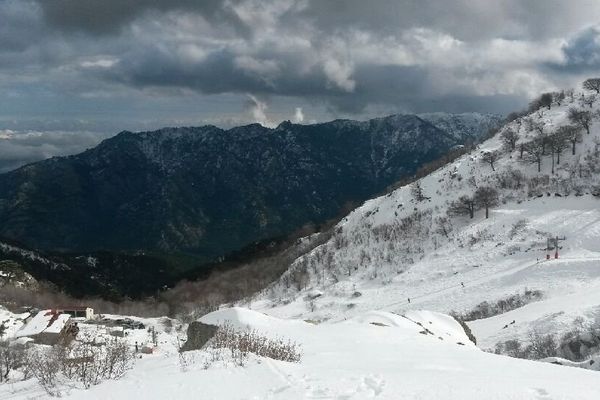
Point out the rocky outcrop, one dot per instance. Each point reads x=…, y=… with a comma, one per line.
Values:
x=198, y=334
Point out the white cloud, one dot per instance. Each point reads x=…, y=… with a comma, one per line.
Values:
x=258, y=112
x=99, y=63
x=6, y=133
x=298, y=116
x=339, y=73
x=20, y=147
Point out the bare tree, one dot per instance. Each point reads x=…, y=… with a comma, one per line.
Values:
x=592, y=84
x=45, y=365
x=486, y=197
x=534, y=126
x=417, y=192
x=463, y=205
x=539, y=127
x=557, y=143
x=12, y=356
x=588, y=100
x=546, y=100
x=535, y=152
x=541, y=346
x=529, y=124
x=509, y=138
x=581, y=118
x=559, y=97
x=521, y=150
x=570, y=95
x=510, y=178
x=572, y=134
x=443, y=226
x=490, y=157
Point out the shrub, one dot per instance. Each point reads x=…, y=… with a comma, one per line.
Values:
x=12, y=357
x=517, y=227
x=241, y=343
x=575, y=345
x=541, y=346
x=45, y=366
x=87, y=363
x=486, y=309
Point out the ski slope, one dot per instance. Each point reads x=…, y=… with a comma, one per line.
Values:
x=490, y=270
x=378, y=261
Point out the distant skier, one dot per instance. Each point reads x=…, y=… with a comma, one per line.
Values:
x=409, y=300
x=462, y=284
x=136, y=347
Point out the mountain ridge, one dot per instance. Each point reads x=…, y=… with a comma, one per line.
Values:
x=168, y=189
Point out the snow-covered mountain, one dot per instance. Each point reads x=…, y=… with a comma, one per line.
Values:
x=354, y=305
x=406, y=251
x=211, y=193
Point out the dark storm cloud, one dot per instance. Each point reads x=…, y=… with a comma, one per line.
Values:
x=464, y=19
x=110, y=16
x=316, y=50
x=220, y=71
x=583, y=52
x=115, y=63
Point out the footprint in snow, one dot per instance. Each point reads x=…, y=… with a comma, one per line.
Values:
x=320, y=393
x=375, y=383
x=542, y=393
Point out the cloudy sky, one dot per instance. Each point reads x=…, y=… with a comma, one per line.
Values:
x=73, y=72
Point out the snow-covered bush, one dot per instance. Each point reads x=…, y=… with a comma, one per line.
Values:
x=241, y=343
x=517, y=228
x=578, y=344
x=489, y=309
x=537, y=347
x=12, y=357
x=45, y=366
x=82, y=363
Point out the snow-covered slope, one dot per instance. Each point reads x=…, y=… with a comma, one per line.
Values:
x=376, y=355
x=395, y=248
x=10, y=323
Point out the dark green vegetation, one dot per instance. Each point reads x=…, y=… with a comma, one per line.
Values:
x=102, y=273
x=151, y=208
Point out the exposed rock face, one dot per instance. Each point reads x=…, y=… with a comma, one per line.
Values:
x=467, y=330
x=208, y=191
x=198, y=334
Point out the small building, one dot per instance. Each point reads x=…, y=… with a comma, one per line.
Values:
x=48, y=327
x=77, y=311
